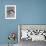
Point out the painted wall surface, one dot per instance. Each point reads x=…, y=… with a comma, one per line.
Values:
x=27, y=12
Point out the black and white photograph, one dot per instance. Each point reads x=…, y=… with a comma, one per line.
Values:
x=10, y=11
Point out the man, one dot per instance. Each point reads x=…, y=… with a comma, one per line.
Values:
x=11, y=13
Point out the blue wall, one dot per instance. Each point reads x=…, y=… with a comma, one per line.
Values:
x=27, y=12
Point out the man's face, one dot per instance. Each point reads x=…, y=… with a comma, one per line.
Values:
x=11, y=13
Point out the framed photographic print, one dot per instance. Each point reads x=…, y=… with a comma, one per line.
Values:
x=10, y=11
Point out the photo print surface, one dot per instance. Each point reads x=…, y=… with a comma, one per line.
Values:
x=10, y=11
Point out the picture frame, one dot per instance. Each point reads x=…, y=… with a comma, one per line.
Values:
x=10, y=11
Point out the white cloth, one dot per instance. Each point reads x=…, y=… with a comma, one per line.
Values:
x=37, y=37
x=24, y=33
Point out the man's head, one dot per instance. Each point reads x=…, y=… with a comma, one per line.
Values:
x=11, y=13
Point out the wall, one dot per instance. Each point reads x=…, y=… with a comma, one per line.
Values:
x=27, y=12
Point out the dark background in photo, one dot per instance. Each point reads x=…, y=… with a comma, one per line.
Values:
x=10, y=11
